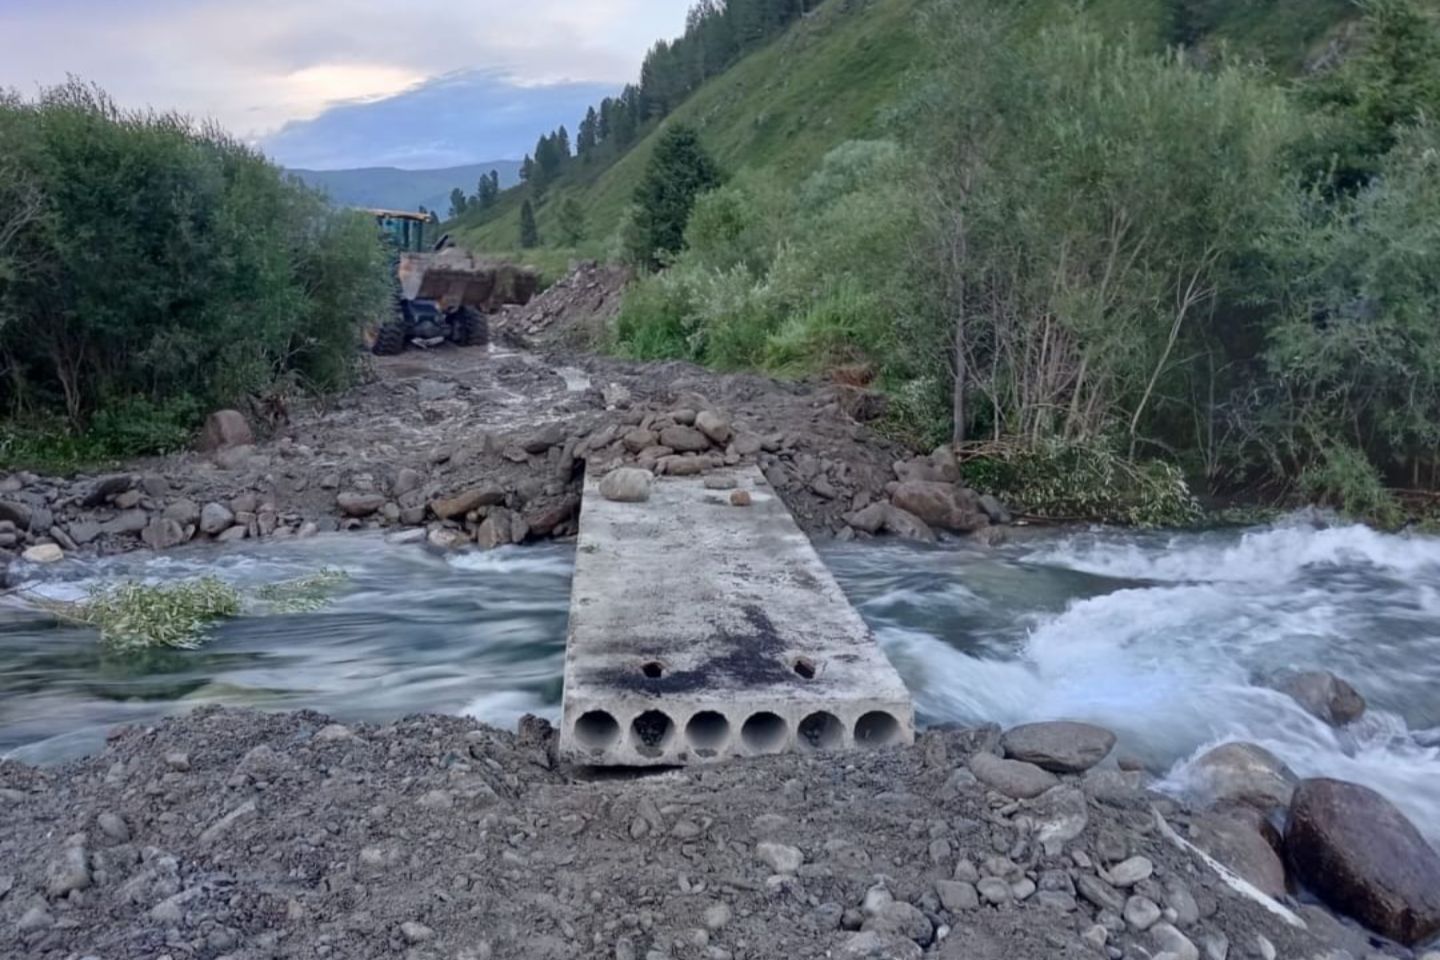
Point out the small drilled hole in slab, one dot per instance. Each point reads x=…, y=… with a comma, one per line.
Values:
x=707, y=732
x=822, y=731
x=597, y=730
x=876, y=729
x=805, y=668
x=651, y=732
x=653, y=669
x=764, y=732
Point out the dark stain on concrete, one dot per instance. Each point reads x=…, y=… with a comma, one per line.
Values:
x=749, y=657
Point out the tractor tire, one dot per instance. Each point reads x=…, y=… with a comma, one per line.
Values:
x=390, y=340
x=469, y=328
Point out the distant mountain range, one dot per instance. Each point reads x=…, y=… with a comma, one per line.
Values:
x=396, y=189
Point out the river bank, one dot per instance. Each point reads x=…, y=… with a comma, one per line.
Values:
x=247, y=835
x=487, y=447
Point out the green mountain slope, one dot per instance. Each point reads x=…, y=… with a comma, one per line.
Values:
x=833, y=75
x=395, y=189
x=781, y=108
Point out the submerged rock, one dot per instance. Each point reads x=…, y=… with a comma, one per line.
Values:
x=1325, y=696
x=1364, y=858
x=1060, y=747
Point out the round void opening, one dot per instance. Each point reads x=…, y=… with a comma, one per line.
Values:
x=651, y=733
x=876, y=729
x=653, y=669
x=596, y=731
x=708, y=732
x=764, y=732
x=822, y=731
x=805, y=668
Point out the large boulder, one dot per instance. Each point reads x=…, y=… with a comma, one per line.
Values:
x=225, y=429
x=906, y=526
x=1240, y=846
x=941, y=505
x=626, y=485
x=1364, y=858
x=1325, y=696
x=683, y=439
x=354, y=503
x=1245, y=772
x=1062, y=746
x=1020, y=781
x=456, y=507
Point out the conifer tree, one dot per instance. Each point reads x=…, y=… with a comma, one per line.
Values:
x=529, y=231
x=679, y=171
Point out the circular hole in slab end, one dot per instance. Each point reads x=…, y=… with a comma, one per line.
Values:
x=764, y=732
x=822, y=731
x=651, y=733
x=596, y=731
x=876, y=729
x=707, y=732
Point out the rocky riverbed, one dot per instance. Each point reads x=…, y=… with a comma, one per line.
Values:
x=488, y=447
x=247, y=835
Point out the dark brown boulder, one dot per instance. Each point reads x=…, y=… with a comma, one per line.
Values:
x=941, y=505
x=1364, y=858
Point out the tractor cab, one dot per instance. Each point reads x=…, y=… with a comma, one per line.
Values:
x=402, y=230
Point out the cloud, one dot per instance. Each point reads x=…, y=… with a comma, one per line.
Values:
x=456, y=119
x=258, y=65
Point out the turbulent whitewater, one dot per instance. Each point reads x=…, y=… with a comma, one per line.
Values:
x=1168, y=639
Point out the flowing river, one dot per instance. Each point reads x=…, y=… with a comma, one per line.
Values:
x=1168, y=639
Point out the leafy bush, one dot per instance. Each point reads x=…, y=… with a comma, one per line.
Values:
x=1088, y=481
x=172, y=269
x=1344, y=480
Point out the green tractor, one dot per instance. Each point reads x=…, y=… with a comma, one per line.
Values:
x=442, y=294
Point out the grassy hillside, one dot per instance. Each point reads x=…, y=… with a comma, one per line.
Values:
x=394, y=189
x=826, y=81
x=833, y=75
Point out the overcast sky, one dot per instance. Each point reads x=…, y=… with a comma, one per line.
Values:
x=338, y=83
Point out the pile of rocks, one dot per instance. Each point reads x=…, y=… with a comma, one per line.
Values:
x=928, y=495
x=576, y=311
x=249, y=836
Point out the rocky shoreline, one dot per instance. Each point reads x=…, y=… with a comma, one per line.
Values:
x=242, y=835
x=481, y=447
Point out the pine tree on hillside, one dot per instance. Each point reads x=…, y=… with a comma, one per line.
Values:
x=529, y=231
x=679, y=171
x=572, y=222
x=458, y=202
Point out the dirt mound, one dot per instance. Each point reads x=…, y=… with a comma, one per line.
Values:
x=248, y=836
x=576, y=312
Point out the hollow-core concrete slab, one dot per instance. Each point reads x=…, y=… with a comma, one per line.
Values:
x=701, y=630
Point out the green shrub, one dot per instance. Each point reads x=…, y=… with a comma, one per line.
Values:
x=1342, y=479
x=172, y=268
x=1089, y=481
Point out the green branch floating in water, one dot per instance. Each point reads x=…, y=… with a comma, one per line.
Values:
x=133, y=616
x=303, y=594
